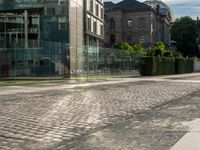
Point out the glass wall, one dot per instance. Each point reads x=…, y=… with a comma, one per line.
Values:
x=48, y=59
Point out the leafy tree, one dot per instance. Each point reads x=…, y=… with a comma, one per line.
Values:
x=138, y=49
x=184, y=32
x=157, y=50
x=125, y=47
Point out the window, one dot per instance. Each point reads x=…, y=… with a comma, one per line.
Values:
x=141, y=39
x=61, y=23
x=51, y=11
x=101, y=29
x=141, y=23
x=112, y=39
x=102, y=13
x=112, y=24
x=89, y=24
x=95, y=27
x=63, y=10
x=130, y=39
x=130, y=23
x=97, y=10
x=91, y=6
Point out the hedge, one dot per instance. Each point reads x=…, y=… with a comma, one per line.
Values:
x=183, y=65
x=157, y=66
x=164, y=66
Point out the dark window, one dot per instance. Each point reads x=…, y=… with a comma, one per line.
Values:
x=89, y=24
x=63, y=10
x=101, y=29
x=112, y=24
x=102, y=13
x=95, y=27
x=141, y=39
x=141, y=23
x=51, y=11
x=112, y=39
x=97, y=10
x=130, y=39
x=62, y=26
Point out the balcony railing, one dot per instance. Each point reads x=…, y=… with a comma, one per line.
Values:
x=23, y=4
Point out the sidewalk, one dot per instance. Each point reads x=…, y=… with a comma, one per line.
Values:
x=59, y=86
x=191, y=140
x=73, y=84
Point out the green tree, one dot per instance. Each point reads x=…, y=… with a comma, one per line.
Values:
x=138, y=49
x=184, y=32
x=157, y=50
x=125, y=47
x=125, y=50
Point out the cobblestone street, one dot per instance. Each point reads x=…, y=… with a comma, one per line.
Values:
x=57, y=118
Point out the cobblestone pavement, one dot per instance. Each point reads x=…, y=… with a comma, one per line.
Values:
x=54, y=119
x=155, y=129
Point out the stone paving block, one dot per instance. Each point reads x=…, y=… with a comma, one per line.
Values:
x=62, y=114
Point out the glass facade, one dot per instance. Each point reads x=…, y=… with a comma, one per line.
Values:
x=41, y=35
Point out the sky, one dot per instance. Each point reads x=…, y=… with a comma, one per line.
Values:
x=181, y=7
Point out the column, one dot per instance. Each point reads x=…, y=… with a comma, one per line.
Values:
x=26, y=28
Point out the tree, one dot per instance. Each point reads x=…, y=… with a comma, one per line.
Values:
x=138, y=49
x=184, y=32
x=157, y=50
x=125, y=47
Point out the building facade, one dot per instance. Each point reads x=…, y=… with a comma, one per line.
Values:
x=94, y=26
x=41, y=37
x=133, y=22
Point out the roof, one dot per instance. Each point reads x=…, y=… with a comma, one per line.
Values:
x=109, y=4
x=126, y=5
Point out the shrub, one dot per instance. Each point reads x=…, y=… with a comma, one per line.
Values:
x=183, y=65
x=157, y=66
x=168, y=54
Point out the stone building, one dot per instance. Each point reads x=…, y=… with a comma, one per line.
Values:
x=132, y=22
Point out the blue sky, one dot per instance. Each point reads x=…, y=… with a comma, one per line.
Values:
x=181, y=7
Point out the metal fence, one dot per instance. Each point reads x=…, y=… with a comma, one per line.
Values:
x=50, y=59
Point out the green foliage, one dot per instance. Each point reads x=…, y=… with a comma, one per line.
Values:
x=157, y=66
x=165, y=65
x=177, y=54
x=183, y=65
x=168, y=54
x=185, y=32
x=138, y=49
x=157, y=50
x=125, y=47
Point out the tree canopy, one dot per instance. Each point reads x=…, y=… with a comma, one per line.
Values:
x=185, y=32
